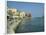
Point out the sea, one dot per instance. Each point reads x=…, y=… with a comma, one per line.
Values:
x=35, y=24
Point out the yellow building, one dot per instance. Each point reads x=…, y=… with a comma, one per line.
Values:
x=12, y=11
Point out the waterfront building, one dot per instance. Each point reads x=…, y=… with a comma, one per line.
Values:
x=22, y=14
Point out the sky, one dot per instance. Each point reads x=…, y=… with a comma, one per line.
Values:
x=36, y=9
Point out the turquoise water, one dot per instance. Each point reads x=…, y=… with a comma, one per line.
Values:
x=31, y=25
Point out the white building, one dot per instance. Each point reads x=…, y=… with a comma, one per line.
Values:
x=22, y=14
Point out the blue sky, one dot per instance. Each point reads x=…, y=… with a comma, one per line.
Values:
x=36, y=9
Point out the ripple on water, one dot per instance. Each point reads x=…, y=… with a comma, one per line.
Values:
x=34, y=25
